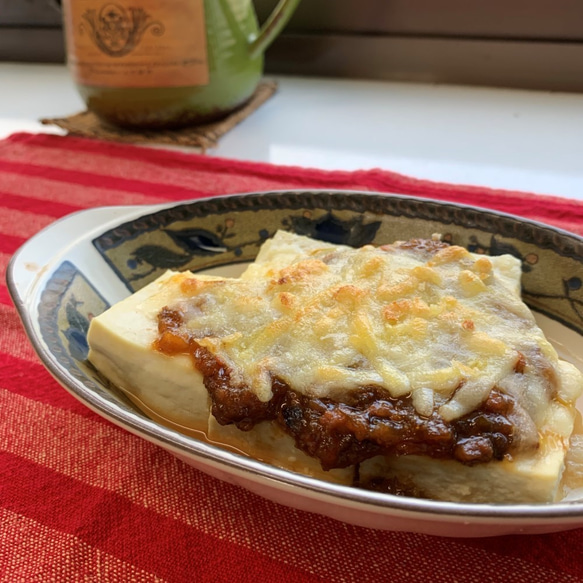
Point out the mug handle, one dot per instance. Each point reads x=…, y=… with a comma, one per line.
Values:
x=272, y=26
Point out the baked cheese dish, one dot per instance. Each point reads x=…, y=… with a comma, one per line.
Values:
x=413, y=368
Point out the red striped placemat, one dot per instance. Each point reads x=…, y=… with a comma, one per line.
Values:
x=82, y=500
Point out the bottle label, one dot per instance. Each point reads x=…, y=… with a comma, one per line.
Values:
x=136, y=43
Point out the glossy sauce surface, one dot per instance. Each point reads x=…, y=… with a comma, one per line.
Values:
x=345, y=433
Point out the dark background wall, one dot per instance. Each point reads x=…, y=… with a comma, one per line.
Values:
x=514, y=43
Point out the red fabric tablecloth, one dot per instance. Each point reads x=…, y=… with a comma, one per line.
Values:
x=82, y=500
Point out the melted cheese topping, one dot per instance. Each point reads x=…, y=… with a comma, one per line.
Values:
x=445, y=327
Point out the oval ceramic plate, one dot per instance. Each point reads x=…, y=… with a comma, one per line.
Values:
x=83, y=263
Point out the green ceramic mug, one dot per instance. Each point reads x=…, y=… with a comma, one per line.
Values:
x=160, y=64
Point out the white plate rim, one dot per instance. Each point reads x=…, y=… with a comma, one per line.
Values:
x=565, y=512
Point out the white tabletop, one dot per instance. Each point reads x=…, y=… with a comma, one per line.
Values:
x=520, y=140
